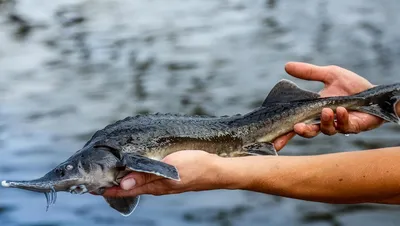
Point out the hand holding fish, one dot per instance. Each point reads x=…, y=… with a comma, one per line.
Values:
x=338, y=82
x=197, y=172
x=287, y=176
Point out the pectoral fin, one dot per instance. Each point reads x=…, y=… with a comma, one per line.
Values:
x=140, y=163
x=261, y=148
x=124, y=205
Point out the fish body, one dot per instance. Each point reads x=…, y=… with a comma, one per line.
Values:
x=138, y=143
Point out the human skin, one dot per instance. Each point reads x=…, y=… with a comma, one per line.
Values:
x=347, y=177
x=337, y=82
x=350, y=177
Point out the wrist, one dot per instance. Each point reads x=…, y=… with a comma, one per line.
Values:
x=218, y=170
x=232, y=173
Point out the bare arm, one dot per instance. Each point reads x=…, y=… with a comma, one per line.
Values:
x=352, y=177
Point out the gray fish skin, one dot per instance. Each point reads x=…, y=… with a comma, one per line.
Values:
x=138, y=143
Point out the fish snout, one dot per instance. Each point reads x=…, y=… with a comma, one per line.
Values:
x=33, y=185
x=48, y=187
x=78, y=189
x=52, y=181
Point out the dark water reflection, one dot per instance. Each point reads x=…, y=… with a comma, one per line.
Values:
x=68, y=68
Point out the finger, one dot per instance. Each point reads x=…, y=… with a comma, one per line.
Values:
x=129, y=182
x=309, y=72
x=114, y=192
x=281, y=141
x=343, y=123
x=136, y=179
x=150, y=188
x=307, y=131
x=327, y=122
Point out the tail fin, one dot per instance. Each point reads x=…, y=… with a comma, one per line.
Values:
x=381, y=101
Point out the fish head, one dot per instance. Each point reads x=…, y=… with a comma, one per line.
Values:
x=89, y=170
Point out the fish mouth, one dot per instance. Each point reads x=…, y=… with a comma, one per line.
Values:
x=78, y=189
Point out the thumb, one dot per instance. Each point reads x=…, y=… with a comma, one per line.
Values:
x=137, y=179
x=132, y=184
x=309, y=72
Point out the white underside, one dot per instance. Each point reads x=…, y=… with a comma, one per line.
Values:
x=155, y=156
x=5, y=184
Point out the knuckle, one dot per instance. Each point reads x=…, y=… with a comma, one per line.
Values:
x=341, y=126
x=141, y=178
x=147, y=177
x=326, y=125
x=332, y=68
x=310, y=72
x=329, y=131
x=350, y=129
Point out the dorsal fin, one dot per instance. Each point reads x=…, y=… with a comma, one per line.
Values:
x=285, y=91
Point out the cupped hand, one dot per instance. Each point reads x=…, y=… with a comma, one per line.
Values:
x=198, y=170
x=338, y=82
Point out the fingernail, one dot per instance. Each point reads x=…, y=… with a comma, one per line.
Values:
x=128, y=184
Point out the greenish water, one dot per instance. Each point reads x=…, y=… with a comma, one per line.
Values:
x=70, y=67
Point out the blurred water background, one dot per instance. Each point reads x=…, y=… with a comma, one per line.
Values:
x=70, y=67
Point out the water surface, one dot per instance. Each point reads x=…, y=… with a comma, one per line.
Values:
x=70, y=67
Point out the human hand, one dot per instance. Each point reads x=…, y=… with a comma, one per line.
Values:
x=198, y=170
x=338, y=82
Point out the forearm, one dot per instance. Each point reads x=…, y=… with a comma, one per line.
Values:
x=351, y=177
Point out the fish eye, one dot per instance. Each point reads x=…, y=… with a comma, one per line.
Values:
x=69, y=167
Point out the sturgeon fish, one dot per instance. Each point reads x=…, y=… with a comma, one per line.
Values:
x=139, y=143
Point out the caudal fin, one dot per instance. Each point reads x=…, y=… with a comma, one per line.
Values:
x=381, y=101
